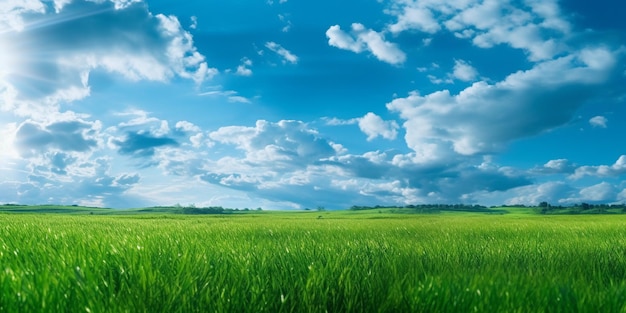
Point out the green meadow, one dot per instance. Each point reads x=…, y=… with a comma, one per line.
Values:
x=340, y=261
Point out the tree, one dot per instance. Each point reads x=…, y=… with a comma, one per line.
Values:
x=544, y=207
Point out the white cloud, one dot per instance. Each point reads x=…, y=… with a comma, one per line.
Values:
x=361, y=39
x=187, y=127
x=127, y=40
x=243, y=69
x=370, y=124
x=616, y=169
x=140, y=118
x=484, y=117
x=602, y=192
x=284, y=53
x=230, y=95
x=598, y=121
x=287, y=27
x=11, y=12
x=288, y=141
x=238, y=99
x=340, y=39
x=373, y=126
x=415, y=16
x=552, y=192
x=559, y=166
x=464, y=71
x=532, y=27
x=339, y=122
x=8, y=151
x=621, y=197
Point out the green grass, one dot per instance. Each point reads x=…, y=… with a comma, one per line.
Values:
x=298, y=262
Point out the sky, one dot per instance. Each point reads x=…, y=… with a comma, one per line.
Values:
x=288, y=104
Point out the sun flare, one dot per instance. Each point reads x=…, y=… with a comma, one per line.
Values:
x=8, y=57
x=8, y=151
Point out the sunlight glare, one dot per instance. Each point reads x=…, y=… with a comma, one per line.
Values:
x=7, y=57
x=8, y=151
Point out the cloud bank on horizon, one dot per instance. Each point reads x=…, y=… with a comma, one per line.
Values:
x=287, y=105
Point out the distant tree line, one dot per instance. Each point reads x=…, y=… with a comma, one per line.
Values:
x=542, y=208
x=582, y=208
x=428, y=208
x=193, y=209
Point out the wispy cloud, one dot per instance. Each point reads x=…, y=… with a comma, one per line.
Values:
x=284, y=53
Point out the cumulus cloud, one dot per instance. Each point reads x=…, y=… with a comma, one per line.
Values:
x=559, y=166
x=187, y=127
x=11, y=13
x=464, y=71
x=551, y=192
x=374, y=126
x=244, y=68
x=286, y=142
x=93, y=186
x=361, y=39
x=531, y=27
x=291, y=162
x=282, y=52
x=370, y=124
x=616, y=169
x=484, y=117
x=120, y=37
x=599, y=193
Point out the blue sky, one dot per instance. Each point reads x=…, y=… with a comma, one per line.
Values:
x=288, y=104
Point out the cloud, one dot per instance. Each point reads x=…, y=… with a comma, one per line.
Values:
x=370, y=124
x=361, y=39
x=616, y=169
x=33, y=138
x=598, y=121
x=532, y=27
x=285, y=142
x=280, y=161
x=559, y=166
x=414, y=16
x=464, y=71
x=120, y=37
x=485, y=117
x=339, y=122
x=100, y=189
x=230, y=95
x=243, y=69
x=187, y=127
x=373, y=126
x=551, y=192
x=141, y=144
x=599, y=193
x=11, y=13
x=284, y=53
x=291, y=162
x=287, y=27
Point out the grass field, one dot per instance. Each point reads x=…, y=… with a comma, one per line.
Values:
x=365, y=261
